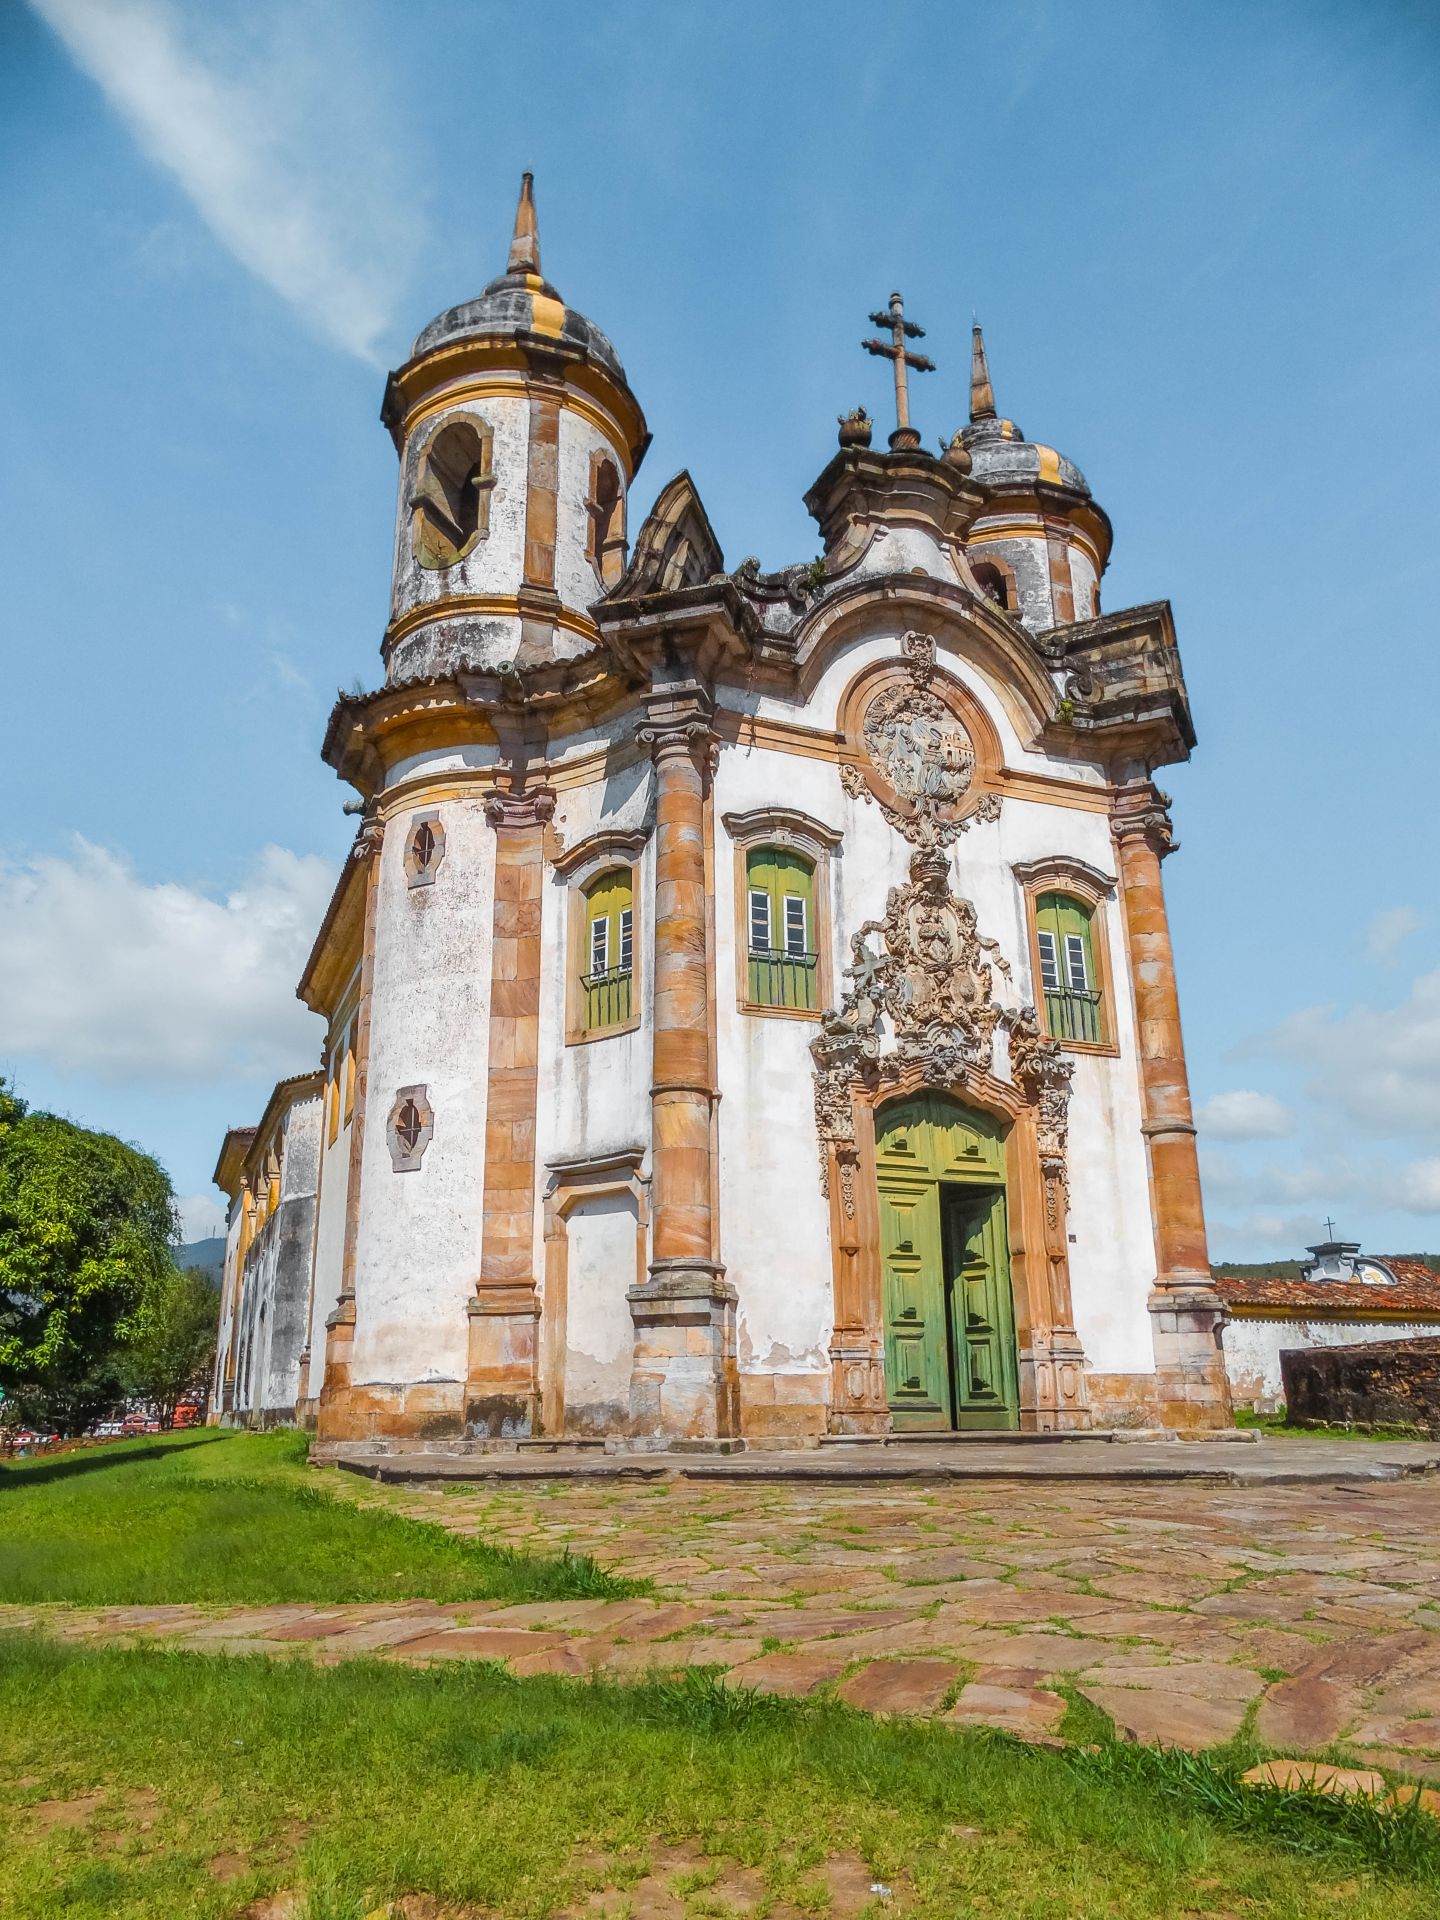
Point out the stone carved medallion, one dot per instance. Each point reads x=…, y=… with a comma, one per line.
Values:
x=919, y=757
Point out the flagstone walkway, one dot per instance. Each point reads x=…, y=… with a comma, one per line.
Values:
x=1185, y=1612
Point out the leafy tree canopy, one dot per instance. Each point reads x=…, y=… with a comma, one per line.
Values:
x=169, y=1340
x=85, y=1222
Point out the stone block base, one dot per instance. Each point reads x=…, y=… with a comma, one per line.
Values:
x=1186, y=1324
x=1053, y=1394
x=784, y=1409
x=502, y=1398
x=684, y=1383
x=857, y=1386
x=380, y=1410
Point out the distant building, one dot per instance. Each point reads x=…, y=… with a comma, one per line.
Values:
x=1340, y=1298
x=749, y=999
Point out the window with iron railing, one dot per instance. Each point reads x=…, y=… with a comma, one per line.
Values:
x=782, y=956
x=607, y=986
x=1074, y=1004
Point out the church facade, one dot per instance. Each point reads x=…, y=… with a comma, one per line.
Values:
x=750, y=1002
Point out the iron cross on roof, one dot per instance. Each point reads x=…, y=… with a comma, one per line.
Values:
x=901, y=329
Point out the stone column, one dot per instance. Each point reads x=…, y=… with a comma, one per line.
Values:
x=685, y=1383
x=502, y=1379
x=1187, y=1312
x=332, y=1416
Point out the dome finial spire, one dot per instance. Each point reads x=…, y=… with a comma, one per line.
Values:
x=525, y=246
x=982, y=394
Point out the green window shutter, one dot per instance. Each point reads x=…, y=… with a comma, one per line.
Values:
x=609, y=950
x=780, y=920
x=1068, y=981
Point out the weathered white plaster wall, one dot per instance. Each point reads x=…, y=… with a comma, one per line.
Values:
x=576, y=580
x=330, y=1231
x=1253, y=1348
x=418, y=1251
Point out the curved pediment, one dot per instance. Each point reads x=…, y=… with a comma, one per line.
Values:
x=676, y=547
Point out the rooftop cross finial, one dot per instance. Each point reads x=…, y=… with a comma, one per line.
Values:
x=904, y=435
x=1329, y=1228
x=982, y=394
x=525, y=247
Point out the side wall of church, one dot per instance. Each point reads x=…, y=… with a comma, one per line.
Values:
x=418, y=1243
x=331, y=1204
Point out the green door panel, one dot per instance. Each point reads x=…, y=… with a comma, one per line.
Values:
x=981, y=1306
x=950, y=1357
x=917, y=1372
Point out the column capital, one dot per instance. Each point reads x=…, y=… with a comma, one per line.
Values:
x=516, y=811
x=679, y=720
x=1140, y=811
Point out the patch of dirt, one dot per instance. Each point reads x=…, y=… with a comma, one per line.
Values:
x=77, y=1812
x=276, y=1906
x=684, y=1884
x=227, y=1866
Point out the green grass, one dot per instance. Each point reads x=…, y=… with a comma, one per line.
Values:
x=358, y=1784
x=238, y=1519
x=1275, y=1423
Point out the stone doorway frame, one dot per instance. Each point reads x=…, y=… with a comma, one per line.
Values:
x=1053, y=1395
x=572, y=1182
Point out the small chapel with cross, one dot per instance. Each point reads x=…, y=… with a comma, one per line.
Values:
x=750, y=1012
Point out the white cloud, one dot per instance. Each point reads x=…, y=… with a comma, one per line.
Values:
x=1380, y=1066
x=1387, y=931
x=270, y=130
x=1417, y=1187
x=132, y=982
x=201, y=1214
x=1245, y=1115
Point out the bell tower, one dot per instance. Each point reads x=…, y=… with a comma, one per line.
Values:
x=518, y=439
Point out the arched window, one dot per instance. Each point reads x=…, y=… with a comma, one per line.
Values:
x=1069, y=983
x=450, y=507
x=609, y=950
x=992, y=583
x=605, y=542
x=780, y=921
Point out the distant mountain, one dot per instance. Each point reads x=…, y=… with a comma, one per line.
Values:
x=208, y=1255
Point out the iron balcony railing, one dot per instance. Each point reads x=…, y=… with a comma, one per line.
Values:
x=607, y=998
x=781, y=979
x=1073, y=1015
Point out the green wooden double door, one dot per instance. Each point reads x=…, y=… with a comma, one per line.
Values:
x=949, y=1312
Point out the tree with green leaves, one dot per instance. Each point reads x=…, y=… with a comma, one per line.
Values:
x=168, y=1343
x=85, y=1222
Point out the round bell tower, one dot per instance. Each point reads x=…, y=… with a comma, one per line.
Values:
x=518, y=438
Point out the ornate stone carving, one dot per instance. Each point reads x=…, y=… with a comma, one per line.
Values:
x=921, y=754
x=1042, y=1070
x=930, y=981
x=519, y=810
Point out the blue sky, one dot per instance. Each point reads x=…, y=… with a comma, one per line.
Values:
x=1203, y=244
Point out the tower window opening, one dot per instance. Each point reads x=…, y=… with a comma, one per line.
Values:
x=992, y=583
x=1064, y=942
x=605, y=543
x=451, y=503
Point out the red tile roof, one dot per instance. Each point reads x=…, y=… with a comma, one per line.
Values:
x=1415, y=1294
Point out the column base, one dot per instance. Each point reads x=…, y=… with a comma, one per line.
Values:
x=502, y=1400
x=685, y=1380
x=857, y=1391
x=1053, y=1393
x=1186, y=1322
x=332, y=1417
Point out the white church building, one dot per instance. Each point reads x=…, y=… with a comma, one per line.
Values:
x=750, y=1004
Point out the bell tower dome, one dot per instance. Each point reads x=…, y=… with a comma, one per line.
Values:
x=518, y=438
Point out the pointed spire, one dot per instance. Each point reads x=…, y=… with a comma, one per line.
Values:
x=525, y=247
x=982, y=394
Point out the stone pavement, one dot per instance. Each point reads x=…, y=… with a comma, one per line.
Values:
x=1243, y=1458
x=1186, y=1613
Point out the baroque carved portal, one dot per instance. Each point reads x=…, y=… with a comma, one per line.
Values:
x=920, y=759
